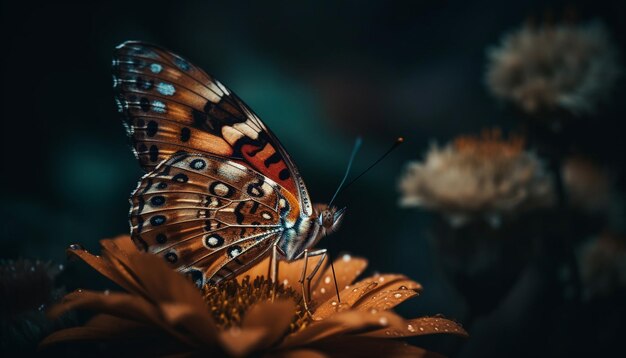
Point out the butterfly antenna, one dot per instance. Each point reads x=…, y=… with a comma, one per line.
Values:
x=355, y=149
x=398, y=141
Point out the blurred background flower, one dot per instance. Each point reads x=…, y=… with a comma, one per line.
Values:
x=544, y=68
x=484, y=177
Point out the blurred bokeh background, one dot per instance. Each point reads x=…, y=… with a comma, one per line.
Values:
x=319, y=74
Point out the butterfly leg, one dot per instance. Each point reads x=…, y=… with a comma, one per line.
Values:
x=273, y=268
x=306, y=290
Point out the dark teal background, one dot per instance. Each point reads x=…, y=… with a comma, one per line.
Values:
x=318, y=74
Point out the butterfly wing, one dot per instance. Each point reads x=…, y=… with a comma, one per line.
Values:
x=208, y=216
x=170, y=105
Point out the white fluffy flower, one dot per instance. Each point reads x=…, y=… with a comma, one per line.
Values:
x=554, y=67
x=485, y=177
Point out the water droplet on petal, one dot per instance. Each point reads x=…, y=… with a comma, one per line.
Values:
x=346, y=257
x=422, y=329
x=383, y=321
x=397, y=295
x=410, y=328
x=381, y=279
x=388, y=333
x=403, y=287
x=76, y=247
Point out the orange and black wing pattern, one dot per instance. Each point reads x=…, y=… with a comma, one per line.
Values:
x=169, y=105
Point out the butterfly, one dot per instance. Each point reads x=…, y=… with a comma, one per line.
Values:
x=221, y=192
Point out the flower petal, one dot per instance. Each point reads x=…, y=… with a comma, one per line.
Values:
x=121, y=305
x=80, y=334
x=108, y=269
x=238, y=342
x=198, y=325
x=364, y=290
x=384, y=300
x=117, y=304
x=289, y=273
x=419, y=327
x=342, y=323
x=347, y=269
x=355, y=346
x=273, y=316
x=298, y=353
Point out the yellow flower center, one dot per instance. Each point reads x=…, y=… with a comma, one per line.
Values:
x=229, y=300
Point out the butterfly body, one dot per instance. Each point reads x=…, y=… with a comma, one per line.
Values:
x=221, y=191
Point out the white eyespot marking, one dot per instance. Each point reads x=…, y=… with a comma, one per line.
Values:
x=222, y=87
x=266, y=216
x=282, y=203
x=234, y=252
x=159, y=106
x=155, y=68
x=221, y=189
x=166, y=89
x=212, y=241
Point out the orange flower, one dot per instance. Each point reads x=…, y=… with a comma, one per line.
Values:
x=164, y=313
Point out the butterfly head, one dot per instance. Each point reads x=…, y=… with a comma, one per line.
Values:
x=329, y=217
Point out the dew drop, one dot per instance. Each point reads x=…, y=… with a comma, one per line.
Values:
x=346, y=257
x=76, y=247
x=355, y=289
x=410, y=328
x=388, y=333
x=422, y=329
x=403, y=287
x=397, y=295
x=373, y=311
x=381, y=279
x=383, y=321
